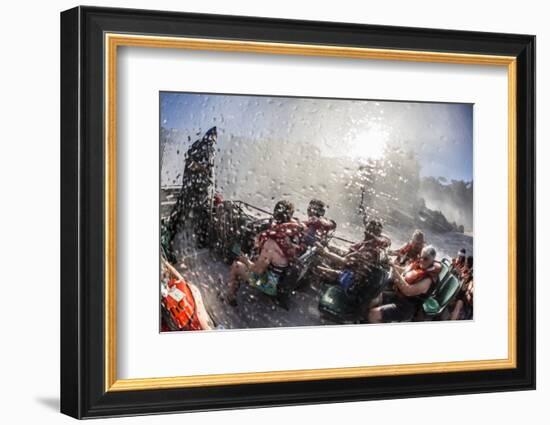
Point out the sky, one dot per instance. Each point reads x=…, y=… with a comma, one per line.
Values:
x=440, y=134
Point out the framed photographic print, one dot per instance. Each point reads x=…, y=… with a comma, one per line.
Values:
x=261, y=212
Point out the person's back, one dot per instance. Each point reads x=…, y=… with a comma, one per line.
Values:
x=363, y=257
x=364, y=261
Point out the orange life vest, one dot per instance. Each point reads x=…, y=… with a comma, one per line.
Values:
x=180, y=304
x=415, y=273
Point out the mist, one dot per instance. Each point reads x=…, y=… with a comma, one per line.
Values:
x=439, y=133
x=390, y=157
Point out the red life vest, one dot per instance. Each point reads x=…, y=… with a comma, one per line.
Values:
x=321, y=225
x=415, y=273
x=285, y=235
x=317, y=229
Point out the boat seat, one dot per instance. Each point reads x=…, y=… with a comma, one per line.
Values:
x=442, y=296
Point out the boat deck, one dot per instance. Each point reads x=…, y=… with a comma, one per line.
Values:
x=254, y=309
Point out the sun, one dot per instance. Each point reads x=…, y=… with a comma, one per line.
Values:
x=369, y=143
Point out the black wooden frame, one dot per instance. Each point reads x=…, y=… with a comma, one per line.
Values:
x=82, y=211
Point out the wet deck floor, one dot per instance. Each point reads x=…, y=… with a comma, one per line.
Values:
x=254, y=309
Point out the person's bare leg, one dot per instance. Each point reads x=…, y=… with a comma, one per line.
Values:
x=237, y=273
x=456, y=311
x=375, y=302
x=375, y=315
x=271, y=254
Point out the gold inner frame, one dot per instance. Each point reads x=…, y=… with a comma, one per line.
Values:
x=113, y=41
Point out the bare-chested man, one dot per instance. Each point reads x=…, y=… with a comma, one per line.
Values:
x=277, y=246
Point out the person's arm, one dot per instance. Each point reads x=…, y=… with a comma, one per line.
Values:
x=398, y=251
x=332, y=256
x=172, y=270
x=327, y=271
x=202, y=314
x=335, y=250
x=328, y=225
x=399, y=269
x=245, y=260
x=470, y=292
x=383, y=241
x=261, y=264
x=412, y=290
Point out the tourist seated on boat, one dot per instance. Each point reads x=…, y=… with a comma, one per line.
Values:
x=412, y=285
x=464, y=306
x=277, y=247
x=411, y=250
x=317, y=225
x=459, y=261
x=355, y=266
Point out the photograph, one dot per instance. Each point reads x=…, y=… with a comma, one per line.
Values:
x=285, y=210
x=297, y=211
